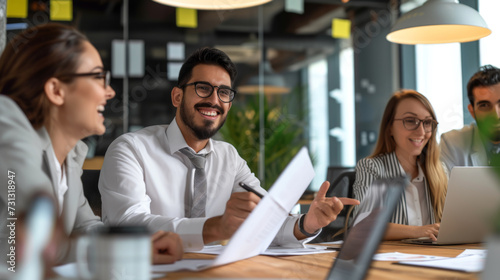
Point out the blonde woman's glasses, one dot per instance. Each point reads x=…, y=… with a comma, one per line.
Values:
x=413, y=123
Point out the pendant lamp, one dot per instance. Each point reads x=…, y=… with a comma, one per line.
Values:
x=273, y=83
x=437, y=22
x=213, y=4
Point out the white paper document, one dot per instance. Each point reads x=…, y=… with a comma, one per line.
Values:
x=308, y=250
x=468, y=261
x=259, y=229
x=396, y=256
x=274, y=251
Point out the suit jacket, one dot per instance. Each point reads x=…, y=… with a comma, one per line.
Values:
x=21, y=172
x=25, y=152
x=463, y=147
x=77, y=214
x=385, y=166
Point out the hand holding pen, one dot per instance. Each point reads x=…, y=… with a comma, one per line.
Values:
x=250, y=189
x=238, y=207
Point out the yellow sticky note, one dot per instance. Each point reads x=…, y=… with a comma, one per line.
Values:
x=341, y=28
x=186, y=18
x=61, y=10
x=17, y=8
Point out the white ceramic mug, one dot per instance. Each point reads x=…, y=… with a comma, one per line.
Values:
x=115, y=253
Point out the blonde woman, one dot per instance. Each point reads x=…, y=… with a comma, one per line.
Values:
x=407, y=146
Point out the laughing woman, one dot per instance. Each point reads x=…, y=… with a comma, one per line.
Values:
x=407, y=146
x=53, y=90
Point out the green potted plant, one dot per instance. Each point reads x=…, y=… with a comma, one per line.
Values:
x=283, y=132
x=491, y=269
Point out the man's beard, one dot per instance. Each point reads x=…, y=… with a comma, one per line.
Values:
x=201, y=132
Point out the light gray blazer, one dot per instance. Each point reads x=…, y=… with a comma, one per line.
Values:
x=77, y=214
x=384, y=166
x=463, y=147
x=25, y=152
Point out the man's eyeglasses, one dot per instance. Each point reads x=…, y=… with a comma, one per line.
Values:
x=204, y=90
x=413, y=123
x=105, y=75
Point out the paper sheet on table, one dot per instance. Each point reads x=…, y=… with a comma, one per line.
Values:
x=259, y=229
x=274, y=251
x=396, y=256
x=338, y=242
x=308, y=250
x=470, y=252
x=468, y=261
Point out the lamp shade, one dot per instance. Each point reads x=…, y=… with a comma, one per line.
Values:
x=437, y=22
x=213, y=4
x=272, y=84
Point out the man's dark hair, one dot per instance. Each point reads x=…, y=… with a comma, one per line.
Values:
x=487, y=75
x=210, y=56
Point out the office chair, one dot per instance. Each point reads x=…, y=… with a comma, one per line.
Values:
x=90, y=180
x=341, y=186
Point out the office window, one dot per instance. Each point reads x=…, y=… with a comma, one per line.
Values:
x=439, y=78
x=488, y=46
x=348, y=119
x=318, y=112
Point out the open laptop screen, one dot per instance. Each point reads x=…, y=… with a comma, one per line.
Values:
x=368, y=229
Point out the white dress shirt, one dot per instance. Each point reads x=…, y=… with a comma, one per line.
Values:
x=416, y=202
x=61, y=181
x=144, y=181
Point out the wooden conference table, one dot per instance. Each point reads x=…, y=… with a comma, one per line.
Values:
x=317, y=266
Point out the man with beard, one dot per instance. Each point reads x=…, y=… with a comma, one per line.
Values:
x=477, y=144
x=154, y=176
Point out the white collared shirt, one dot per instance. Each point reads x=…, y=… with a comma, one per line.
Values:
x=144, y=179
x=62, y=181
x=416, y=201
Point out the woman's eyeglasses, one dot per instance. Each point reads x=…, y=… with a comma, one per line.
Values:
x=413, y=123
x=105, y=75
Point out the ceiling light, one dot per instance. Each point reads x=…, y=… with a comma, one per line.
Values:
x=272, y=84
x=213, y=4
x=437, y=22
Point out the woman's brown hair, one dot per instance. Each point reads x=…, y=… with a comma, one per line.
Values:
x=33, y=57
x=429, y=158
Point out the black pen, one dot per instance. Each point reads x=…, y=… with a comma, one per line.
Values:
x=332, y=248
x=246, y=187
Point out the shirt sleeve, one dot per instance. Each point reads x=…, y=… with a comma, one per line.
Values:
x=286, y=238
x=21, y=173
x=21, y=159
x=366, y=173
x=125, y=200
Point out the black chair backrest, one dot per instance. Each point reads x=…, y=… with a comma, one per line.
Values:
x=90, y=182
x=341, y=186
x=334, y=171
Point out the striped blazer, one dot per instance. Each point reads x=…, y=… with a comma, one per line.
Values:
x=385, y=166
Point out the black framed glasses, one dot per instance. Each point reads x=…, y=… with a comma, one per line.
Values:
x=413, y=123
x=204, y=90
x=105, y=75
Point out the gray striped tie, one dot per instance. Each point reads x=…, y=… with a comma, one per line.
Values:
x=199, y=200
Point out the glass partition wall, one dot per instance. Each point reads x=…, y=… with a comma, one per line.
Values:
x=330, y=93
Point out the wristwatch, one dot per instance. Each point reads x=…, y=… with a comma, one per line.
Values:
x=302, y=230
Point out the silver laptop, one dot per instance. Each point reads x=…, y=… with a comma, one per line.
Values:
x=368, y=229
x=473, y=198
